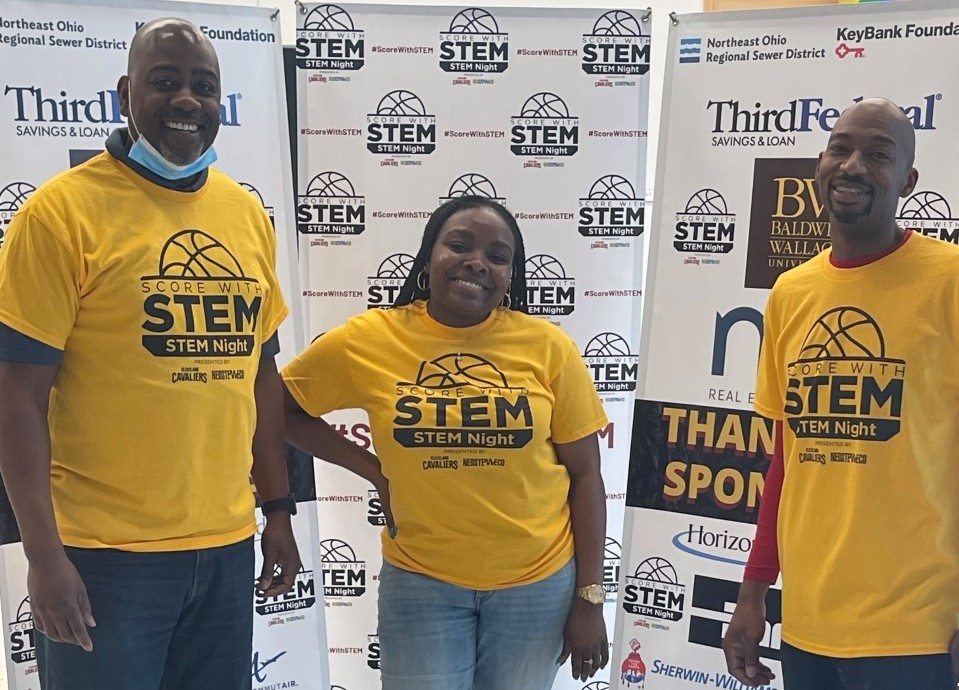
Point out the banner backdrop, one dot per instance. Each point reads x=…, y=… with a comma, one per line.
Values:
x=60, y=65
x=750, y=99
x=402, y=108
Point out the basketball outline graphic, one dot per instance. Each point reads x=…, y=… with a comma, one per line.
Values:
x=332, y=551
x=657, y=569
x=328, y=18
x=597, y=685
x=544, y=267
x=473, y=20
x=545, y=105
x=607, y=344
x=24, y=612
x=401, y=102
x=12, y=197
x=926, y=205
x=610, y=554
x=472, y=184
x=832, y=337
x=395, y=266
x=447, y=371
x=616, y=23
x=331, y=184
x=706, y=202
x=255, y=192
x=194, y=254
x=612, y=187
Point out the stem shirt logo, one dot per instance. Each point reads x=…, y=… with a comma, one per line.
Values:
x=200, y=303
x=330, y=206
x=843, y=386
x=382, y=289
x=549, y=292
x=616, y=46
x=612, y=365
x=722, y=547
x=544, y=127
x=302, y=596
x=401, y=126
x=270, y=211
x=474, y=44
x=612, y=558
x=373, y=652
x=705, y=227
x=611, y=209
x=461, y=400
x=329, y=42
x=472, y=184
x=374, y=512
x=344, y=575
x=20, y=641
x=926, y=212
x=714, y=601
x=653, y=591
x=11, y=199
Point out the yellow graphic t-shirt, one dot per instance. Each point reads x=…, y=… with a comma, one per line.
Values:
x=861, y=365
x=463, y=421
x=161, y=301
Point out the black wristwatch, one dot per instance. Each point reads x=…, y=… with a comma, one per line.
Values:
x=287, y=503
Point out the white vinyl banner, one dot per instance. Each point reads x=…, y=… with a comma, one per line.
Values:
x=749, y=101
x=58, y=103
x=402, y=108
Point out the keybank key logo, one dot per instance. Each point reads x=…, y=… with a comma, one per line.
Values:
x=611, y=209
x=11, y=199
x=544, y=127
x=549, y=291
x=843, y=385
x=653, y=591
x=401, y=126
x=472, y=184
x=383, y=288
x=611, y=364
x=705, y=226
x=616, y=46
x=344, y=575
x=20, y=640
x=330, y=206
x=928, y=213
x=328, y=41
x=474, y=44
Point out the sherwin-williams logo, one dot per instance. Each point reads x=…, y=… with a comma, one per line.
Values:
x=330, y=206
x=549, y=291
x=401, y=126
x=302, y=596
x=11, y=199
x=461, y=400
x=200, y=303
x=382, y=288
x=653, y=591
x=925, y=212
x=616, y=46
x=344, y=575
x=474, y=44
x=373, y=652
x=843, y=385
x=472, y=184
x=705, y=226
x=611, y=209
x=20, y=642
x=328, y=41
x=544, y=127
x=270, y=211
x=611, y=364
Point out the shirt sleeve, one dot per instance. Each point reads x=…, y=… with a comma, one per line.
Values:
x=275, y=309
x=320, y=378
x=763, y=562
x=17, y=347
x=770, y=396
x=40, y=281
x=577, y=409
x=271, y=348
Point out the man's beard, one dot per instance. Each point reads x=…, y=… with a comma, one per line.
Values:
x=178, y=158
x=852, y=217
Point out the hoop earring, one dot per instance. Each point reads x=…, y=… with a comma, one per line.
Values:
x=423, y=281
x=507, y=301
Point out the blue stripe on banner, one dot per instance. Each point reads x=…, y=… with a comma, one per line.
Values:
x=689, y=59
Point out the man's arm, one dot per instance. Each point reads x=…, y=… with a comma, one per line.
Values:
x=272, y=481
x=58, y=597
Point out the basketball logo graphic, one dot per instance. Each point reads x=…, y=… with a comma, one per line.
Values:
x=605, y=345
x=194, y=254
x=254, y=191
x=344, y=575
x=20, y=641
x=328, y=18
x=543, y=266
x=616, y=46
x=336, y=551
x=329, y=41
x=657, y=570
x=474, y=45
x=843, y=332
x=705, y=226
x=549, y=291
x=24, y=613
x=331, y=184
x=472, y=184
x=706, y=202
x=612, y=557
x=11, y=199
x=544, y=127
x=544, y=105
x=613, y=367
x=474, y=21
x=928, y=213
x=384, y=287
x=617, y=23
x=401, y=125
x=395, y=266
x=330, y=206
x=401, y=102
x=597, y=685
x=611, y=209
x=654, y=591
x=459, y=369
x=612, y=187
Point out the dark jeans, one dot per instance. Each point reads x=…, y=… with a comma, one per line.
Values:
x=805, y=671
x=181, y=620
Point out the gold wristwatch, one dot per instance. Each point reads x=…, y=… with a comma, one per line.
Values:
x=594, y=594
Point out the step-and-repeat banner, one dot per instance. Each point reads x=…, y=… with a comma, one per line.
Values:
x=403, y=107
x=58, y=104
x=749, y=101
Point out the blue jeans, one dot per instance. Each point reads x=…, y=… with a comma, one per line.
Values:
x=438, y=636
x=805, y=671
x=181, y=620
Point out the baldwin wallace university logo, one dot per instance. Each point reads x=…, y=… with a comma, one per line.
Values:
x=926, y=212
x=11, y=198
x=705, y=226
x=401, y=126
x=472, y=184
x=474, y=44
x=616, y=46
x=544, y=127
x=329, y=41
x=383, y=288
x=611, y=209
x=330, y=206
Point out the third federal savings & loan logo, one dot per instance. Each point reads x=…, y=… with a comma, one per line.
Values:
x=474, y=44
x=330, y=206
x=11, y=198
x=550, y=292
x=611, y=209
x=653, y=591
x=926, y=212
x=616, y=45
x=544, y=127
x=383, y=288
x=344, y=575
x=705, y=226
x=611, y=364
x=401, y=126
x=472, y=184
x=328, y=41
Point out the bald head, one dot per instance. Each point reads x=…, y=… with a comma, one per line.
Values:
x=884, y=111
x=166, y=30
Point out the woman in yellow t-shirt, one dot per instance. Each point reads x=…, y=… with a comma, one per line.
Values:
x=485, y=421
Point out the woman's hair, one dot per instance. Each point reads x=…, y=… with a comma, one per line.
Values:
x=411, y=291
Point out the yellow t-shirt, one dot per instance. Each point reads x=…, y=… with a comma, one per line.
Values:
x=463, y=421
x=160, y=301
x=862, y=364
